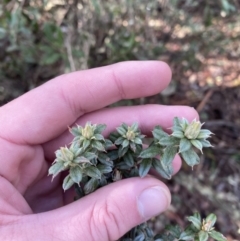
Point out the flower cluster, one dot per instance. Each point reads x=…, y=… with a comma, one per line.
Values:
x=198, y=230
x=185, y=138
x=93, y=161
x=86, y=159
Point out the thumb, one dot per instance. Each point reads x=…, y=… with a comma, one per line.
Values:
x=108, y=213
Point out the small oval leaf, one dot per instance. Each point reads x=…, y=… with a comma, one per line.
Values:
x=203, y=236
x=190, y=157
x=184, y=145
x=144, y=167
x=56, y=168
x=67, y=183
x=168, y=155
x=76, y=174
x=195, y=221
x=92, y=172
x=217, y=236
x=91, y=185
x=150, y=152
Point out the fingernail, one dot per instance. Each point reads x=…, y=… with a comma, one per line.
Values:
x=153, y=201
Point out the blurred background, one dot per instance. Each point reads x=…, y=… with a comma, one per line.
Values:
x=199, y=39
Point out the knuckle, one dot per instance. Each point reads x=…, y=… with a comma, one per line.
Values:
x=105, y=221
x=118, y=84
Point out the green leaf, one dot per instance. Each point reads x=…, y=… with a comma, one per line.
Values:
x=197, y=144
x=138, y=141
x=121, y=131
x=108, y=143
x=122, y=151
x=174, y=230
x=100, y=128
x=99, y=137
x=163, y=171
x=113, y=155
x=144, y=167
x=185, y=145
x=157, y=239
x=195, y=221
x=169, y=141
x=67, y=183
x=122, y=166
x=105, y=159
x=124, y=126
x=203, y=236
x=125, y=143
x=103, y=181
x=211, y=220
x=133, y=172
x=92, y=172
x=204, y=134
x=86, y=144
x=81, y=159
x=140, y=237
x=114, y=136
x=205, y=143
x=217, y=236
x=187, y=234
x=133, y=146
x=119, y=141
x=183, y=123
x=149, y=232
x=190, y=157
x=158, y=133
x=178, y=134
x=176, y=124
x=90, y=155
x=76, y=150
x=104, y=168
x=134, y=127
x=150, y=152
x=168, y=155
x=74, y=131
x=198, y=216
x=79, y=191
x=56, y=168
x=91, y=185
x=76, y=174
x=98, y=145
x=128, y=159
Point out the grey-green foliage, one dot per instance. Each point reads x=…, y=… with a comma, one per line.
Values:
x=199, y=230
x=75, y=35
x=94, y=161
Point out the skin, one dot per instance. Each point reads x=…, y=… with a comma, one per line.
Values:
x=35, y=125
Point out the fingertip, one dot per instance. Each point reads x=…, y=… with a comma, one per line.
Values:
x=166, y=69
x=150, y=77
x=191, y=113
x=162, y=74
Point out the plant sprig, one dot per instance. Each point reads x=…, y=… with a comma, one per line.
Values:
x=94, y=161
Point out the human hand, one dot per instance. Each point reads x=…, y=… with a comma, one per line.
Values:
x=34, y=126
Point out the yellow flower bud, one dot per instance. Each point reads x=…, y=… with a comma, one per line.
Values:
x=207, y=226
x=192, y=131
x=130, y=135
x=88, y=131
x=66, y=154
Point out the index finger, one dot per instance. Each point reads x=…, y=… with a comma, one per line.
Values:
x=45, y=112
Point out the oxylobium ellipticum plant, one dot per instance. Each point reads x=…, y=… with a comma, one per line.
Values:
x=94, y=161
